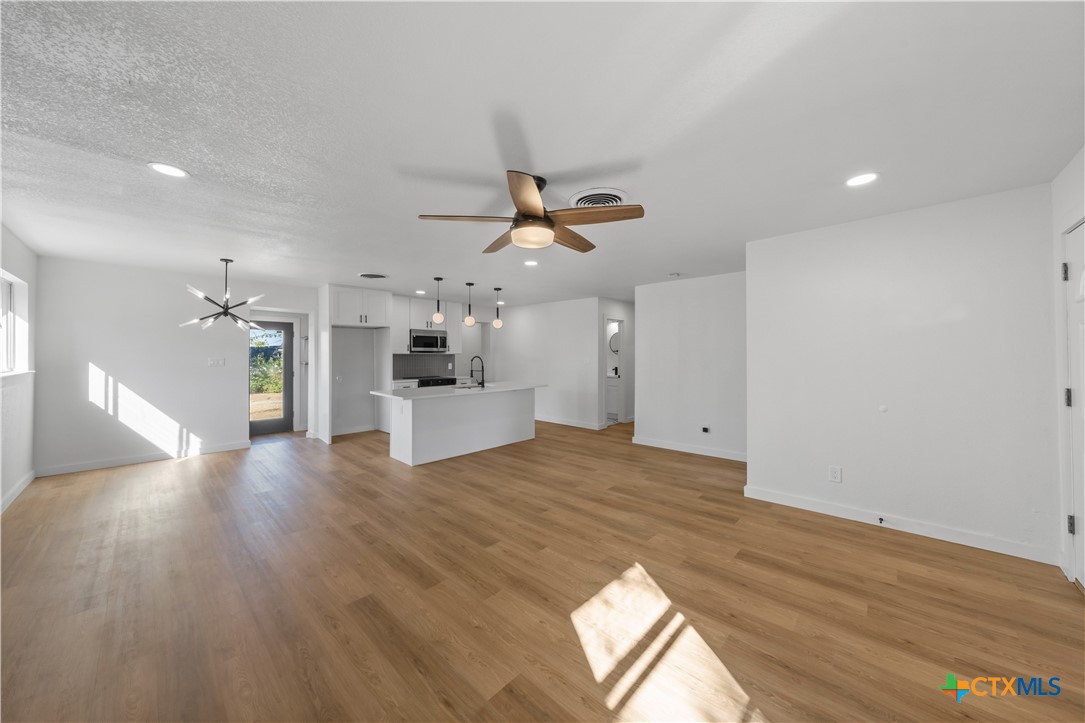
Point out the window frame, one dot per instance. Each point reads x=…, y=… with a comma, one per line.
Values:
x=8, y=352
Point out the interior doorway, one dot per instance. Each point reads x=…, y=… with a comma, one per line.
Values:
x=1074, y=256
x=612, y=378
x=271, y=378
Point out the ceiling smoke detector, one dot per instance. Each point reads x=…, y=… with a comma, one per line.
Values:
x=597, y=197
x=374, y=276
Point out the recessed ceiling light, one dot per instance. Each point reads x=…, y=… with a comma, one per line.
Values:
x=531, y=263
x=168, y=170
x=862, y=179
x=420, y=292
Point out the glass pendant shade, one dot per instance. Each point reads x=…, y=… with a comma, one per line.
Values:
x=497, y=323
x=438, y=317
x=469, y=320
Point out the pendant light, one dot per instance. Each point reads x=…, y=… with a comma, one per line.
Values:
x=497, y=297
x=438, y=317
x=469, y=320
x=225, y=309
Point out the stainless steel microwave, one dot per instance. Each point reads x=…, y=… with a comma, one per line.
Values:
x=429, y=341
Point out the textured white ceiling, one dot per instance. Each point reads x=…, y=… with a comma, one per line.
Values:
x=316, y=132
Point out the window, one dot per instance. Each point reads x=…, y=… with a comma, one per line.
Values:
x=7, y=326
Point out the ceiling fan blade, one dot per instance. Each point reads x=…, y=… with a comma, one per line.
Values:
x=596, y=214
x=479, y=219
x=525, y=194
x=570, y=239
x=503, y=240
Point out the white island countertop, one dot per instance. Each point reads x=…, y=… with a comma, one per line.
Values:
x=450, y=391
x=440, y=422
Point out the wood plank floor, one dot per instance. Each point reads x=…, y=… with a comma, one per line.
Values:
x=572, y=577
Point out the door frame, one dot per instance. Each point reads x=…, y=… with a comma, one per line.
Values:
x=605, y=353
x=286, y=422
x=1070, y=547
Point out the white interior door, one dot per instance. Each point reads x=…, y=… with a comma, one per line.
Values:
x=1075, y=330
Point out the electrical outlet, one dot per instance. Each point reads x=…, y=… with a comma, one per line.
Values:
x=704, y=429
x=213, y=362
x=450, y=366
x=836, y=475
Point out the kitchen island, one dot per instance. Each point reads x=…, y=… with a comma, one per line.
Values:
x=441, y=422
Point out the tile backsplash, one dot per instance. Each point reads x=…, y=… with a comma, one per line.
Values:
x=410, y=366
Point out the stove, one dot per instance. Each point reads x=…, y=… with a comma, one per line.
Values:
x=436, y=381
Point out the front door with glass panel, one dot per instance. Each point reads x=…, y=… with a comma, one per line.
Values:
x=271, y=378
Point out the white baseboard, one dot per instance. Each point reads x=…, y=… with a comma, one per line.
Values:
x=354, y=430
x=17, y=490
x=691, y=448
x=138, y=459
x=571, y=422
x=905, y=524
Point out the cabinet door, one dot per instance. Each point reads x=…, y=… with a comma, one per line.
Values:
x=346, y=306
x=376, y=307
x=422, y=314
x=401, y=325
x=454, y=322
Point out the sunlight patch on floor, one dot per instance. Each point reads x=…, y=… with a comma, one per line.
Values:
x=651, y=664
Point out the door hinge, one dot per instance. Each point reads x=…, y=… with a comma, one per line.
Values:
x=1065, y=271
x=1071, y=527
x=1069, y=397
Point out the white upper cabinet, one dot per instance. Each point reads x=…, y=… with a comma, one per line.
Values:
x=360, y=307
x=422, y=314
x=376, y=307
x=401, y=325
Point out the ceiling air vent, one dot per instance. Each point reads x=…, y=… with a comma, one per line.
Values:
x=374, y=276
x=597, y=197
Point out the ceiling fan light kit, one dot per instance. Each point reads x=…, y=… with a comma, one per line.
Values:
x=533, y=227
x=225, y=309
x=532, y=234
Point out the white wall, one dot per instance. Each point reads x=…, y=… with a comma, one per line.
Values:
x=1068, y=194
x=627, y=357
x=691, y=365
x=556, y=344
x=1067, y=209
x=916, y=351
x=472, y=345
x=353, y=377
x=17, y=388
x=119, y=381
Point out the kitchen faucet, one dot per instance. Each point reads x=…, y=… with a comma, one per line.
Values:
x=482, y=365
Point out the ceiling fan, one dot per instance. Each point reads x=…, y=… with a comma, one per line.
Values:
x=533, y=227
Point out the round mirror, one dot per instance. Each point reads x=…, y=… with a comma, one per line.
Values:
x=614, y=342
